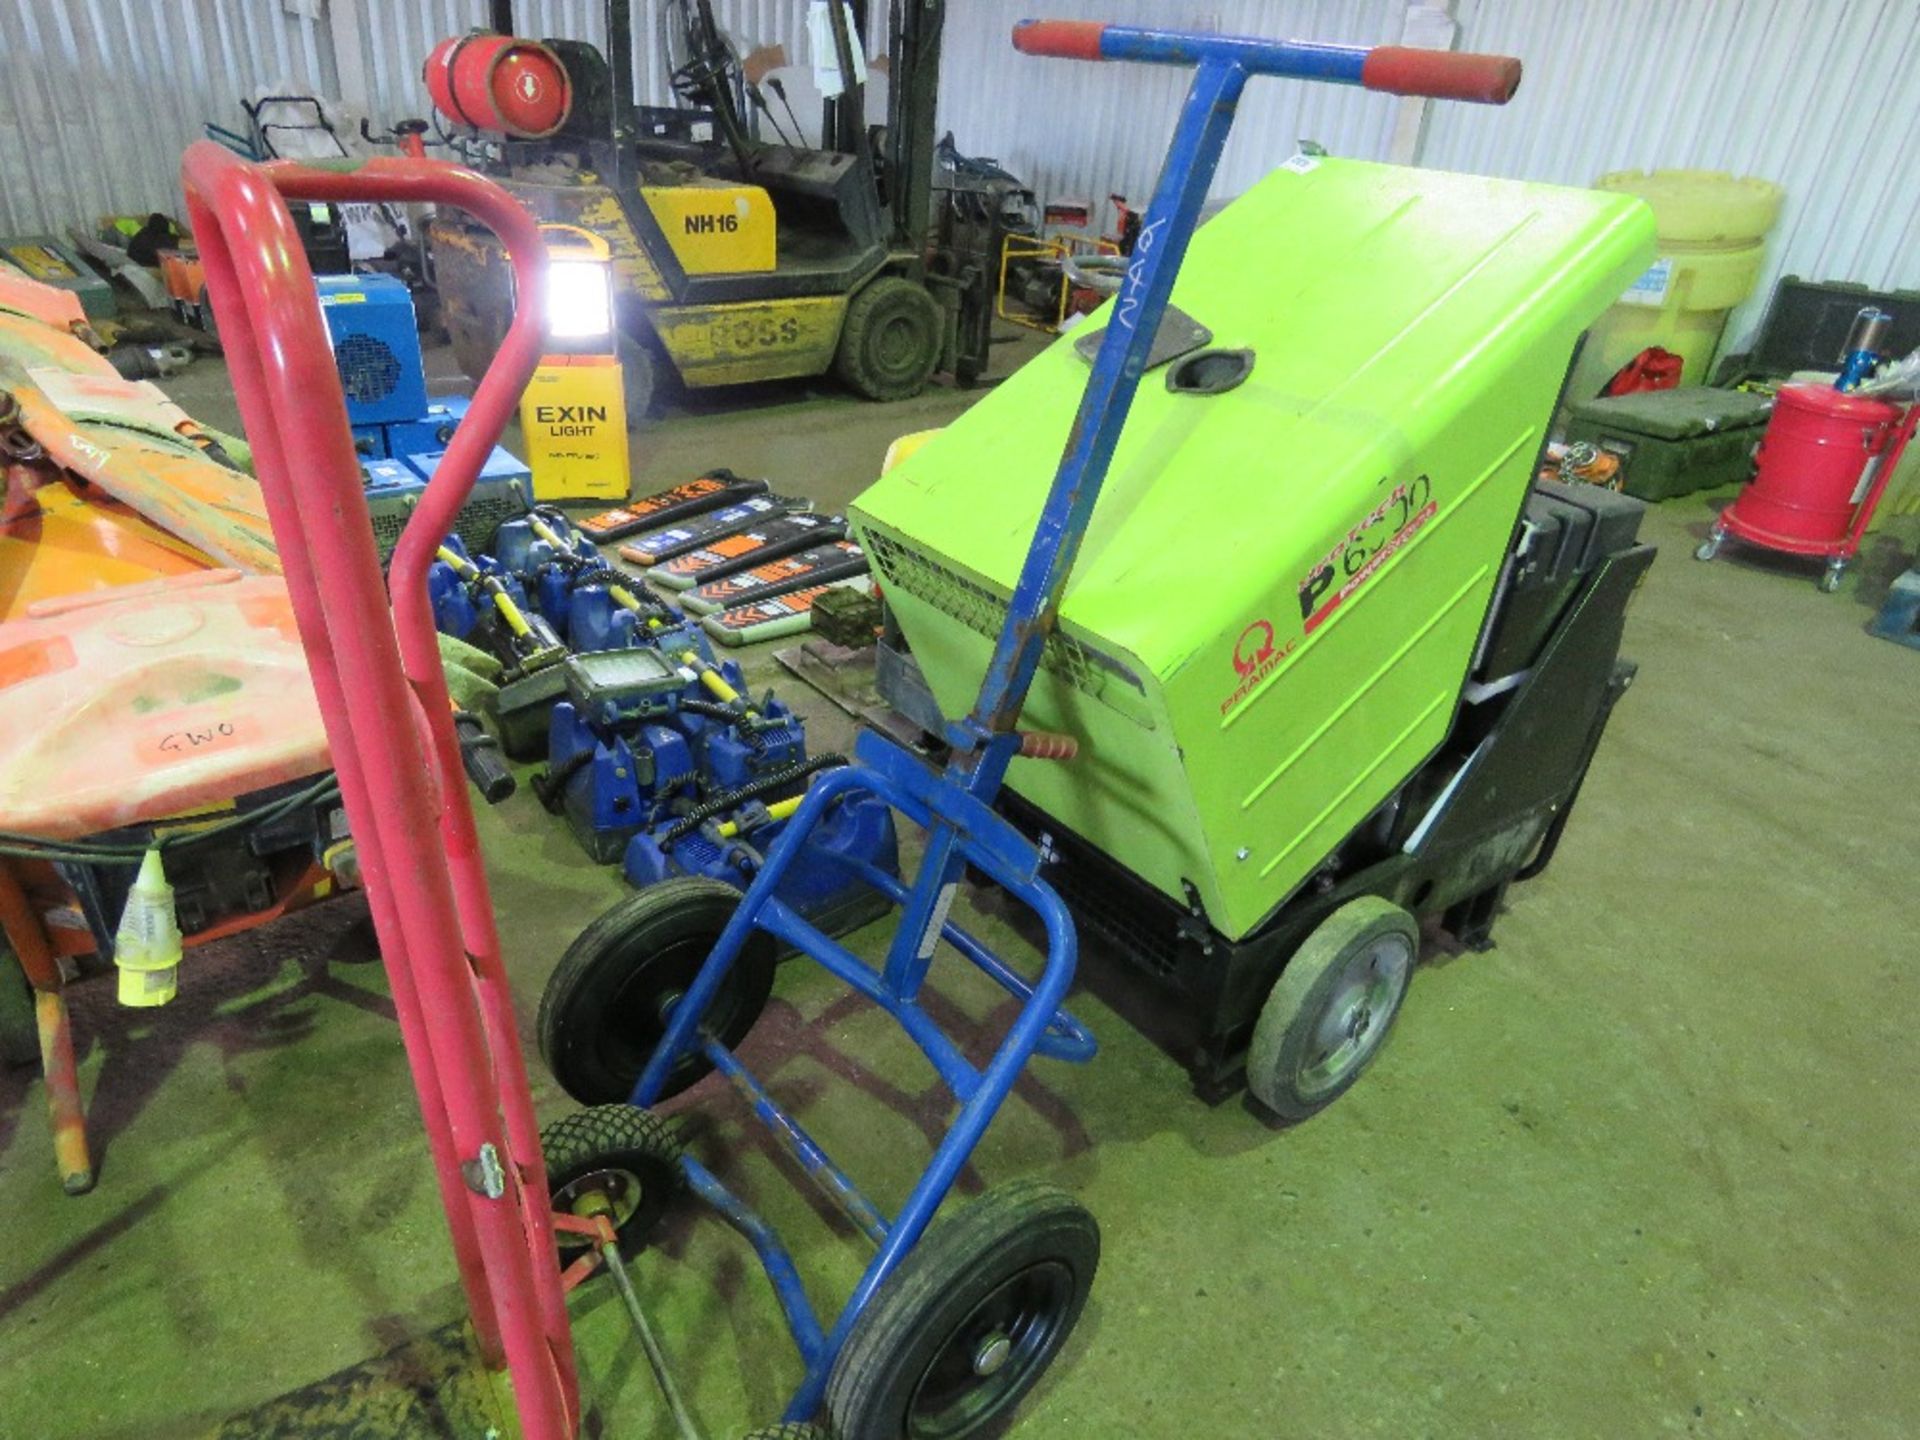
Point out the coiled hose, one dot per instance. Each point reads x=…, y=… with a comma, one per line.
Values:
x=717, y=804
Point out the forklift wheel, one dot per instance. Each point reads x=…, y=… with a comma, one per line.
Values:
x=19, y=1027
x=637, y=371
x=1330, y=1011
x=474, y=345
x=604, y=1007
x=890, y=341
x=620, y=1153
x=971, y=1319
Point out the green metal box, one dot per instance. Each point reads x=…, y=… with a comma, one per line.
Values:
x=51, y=261
x=1283, y=585
x=1674, y=442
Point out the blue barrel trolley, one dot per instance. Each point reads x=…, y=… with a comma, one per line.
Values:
x=948, y=1327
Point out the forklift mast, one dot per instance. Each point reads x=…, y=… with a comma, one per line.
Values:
x=911, y=102
x=914, y=28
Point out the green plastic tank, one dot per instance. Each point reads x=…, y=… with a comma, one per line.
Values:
x=1712, y=230
x=1283, y=585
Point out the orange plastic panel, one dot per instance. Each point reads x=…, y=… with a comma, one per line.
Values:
x=175, y=694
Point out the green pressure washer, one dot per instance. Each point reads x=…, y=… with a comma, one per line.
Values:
x=1333, y=661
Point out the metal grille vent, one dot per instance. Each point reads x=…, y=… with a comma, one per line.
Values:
x=1148, y=937
x=369, y=370
x=492, y=505
x=698, y=855
x=1087, y=670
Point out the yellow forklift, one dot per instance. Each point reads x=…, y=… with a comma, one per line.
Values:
x=735, y=259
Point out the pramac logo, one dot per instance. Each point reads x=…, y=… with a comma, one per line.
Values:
x=1253, y=649
x=1255, y=656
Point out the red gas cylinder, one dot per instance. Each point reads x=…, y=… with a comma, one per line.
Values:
x=499, y=82
x=1810, y=493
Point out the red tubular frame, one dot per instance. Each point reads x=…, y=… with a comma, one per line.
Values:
x=383, y=697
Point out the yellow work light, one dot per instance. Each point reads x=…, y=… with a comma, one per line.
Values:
x=574, y=411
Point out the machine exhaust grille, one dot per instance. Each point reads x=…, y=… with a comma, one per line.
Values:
x=493, y=503
x=369, y=370
x=1092, y=672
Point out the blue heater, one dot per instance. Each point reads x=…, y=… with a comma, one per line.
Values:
x=376, y=347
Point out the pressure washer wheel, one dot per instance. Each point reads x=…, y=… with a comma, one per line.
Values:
x=969, y=1321
x=605, y=1005
x=1330, y=1011
x=621, y=1155
x=890, y=341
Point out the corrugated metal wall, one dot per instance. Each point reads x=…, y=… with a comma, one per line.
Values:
x=1074, y=129
x=98, y=97
x=1817, y=95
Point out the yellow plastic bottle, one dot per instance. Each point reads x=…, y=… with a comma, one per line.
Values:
x=146, y=948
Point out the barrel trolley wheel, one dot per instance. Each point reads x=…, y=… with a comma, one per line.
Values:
x=969, y=1321
x=621, y=1155
x=1830, y=577
x=1710, y=547
x=891, y=339
x=604, y=1008
x=1329, y=1013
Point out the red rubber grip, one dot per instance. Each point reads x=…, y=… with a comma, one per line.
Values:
x=1441, y=74
x=1044, y=745
x=1065, y=39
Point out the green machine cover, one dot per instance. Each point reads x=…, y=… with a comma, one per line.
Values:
x=1279, y=598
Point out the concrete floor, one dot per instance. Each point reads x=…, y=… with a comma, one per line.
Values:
x=1644, y=1169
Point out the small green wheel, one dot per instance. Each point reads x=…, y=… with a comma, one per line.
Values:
x=969, y=1321
x=1331, y=1009
x=620, y=1154
x=604, y=1008
x=891, y=339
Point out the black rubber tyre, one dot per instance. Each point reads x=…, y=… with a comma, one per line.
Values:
x=638, y=370
x=789, y=1432
x=622, y=1152
x=209, y=323
x=1330, y=1011
x=19, y=1025
x=970, y=1321
x=602, y=1012
x=474, y=346
x=891, y=340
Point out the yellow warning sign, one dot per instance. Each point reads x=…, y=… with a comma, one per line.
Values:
x=574, y=416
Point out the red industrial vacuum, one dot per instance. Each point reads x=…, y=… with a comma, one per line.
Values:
x=1818, y=476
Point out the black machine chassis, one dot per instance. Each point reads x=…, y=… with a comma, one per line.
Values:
x=1500, y=789
x=244, y=872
